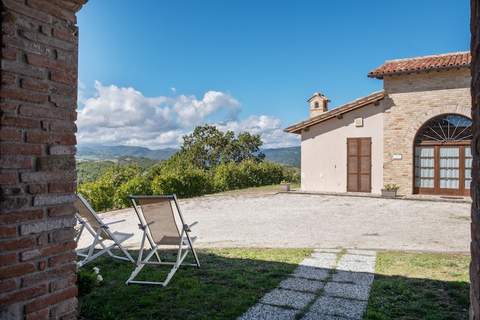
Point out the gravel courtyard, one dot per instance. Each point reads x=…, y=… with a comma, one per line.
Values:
x=318, y=221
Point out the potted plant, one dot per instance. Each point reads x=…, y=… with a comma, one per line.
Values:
x=390, y=190
x=285, y=186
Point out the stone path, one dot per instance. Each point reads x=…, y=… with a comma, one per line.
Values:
x=329, y=285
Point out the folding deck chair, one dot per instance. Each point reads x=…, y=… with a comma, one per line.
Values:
x=160, y=224
x=100, y=231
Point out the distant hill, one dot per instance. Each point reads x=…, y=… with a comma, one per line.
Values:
x=98, y=152
x=289, y=156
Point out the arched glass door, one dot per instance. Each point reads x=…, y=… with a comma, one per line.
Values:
x=443, y=158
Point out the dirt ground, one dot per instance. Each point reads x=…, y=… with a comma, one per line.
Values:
x=319, y=221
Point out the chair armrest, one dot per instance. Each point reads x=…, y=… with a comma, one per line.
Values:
x=113, y=222
x=187, y=227
x=143, y=227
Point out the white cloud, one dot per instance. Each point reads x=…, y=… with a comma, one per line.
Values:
x=124, y=116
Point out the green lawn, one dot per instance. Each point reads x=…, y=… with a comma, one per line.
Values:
x=419, y=286
x=227, y=284
x=407, y=286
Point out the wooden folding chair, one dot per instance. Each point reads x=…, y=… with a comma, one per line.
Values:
x=162, y=224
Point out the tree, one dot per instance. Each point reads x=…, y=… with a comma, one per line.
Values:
x=207, y=147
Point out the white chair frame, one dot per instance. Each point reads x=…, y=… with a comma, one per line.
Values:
x=89, y=253
x=184, y=246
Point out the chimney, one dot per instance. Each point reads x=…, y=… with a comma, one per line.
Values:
x=318, y=104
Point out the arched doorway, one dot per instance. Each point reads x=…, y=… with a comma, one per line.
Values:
x=443, y=158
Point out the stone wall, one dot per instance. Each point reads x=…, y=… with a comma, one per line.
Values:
x=412, y=100
x=37, y=167
x=475, y=191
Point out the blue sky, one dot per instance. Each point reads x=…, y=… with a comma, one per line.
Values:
x=258, y=58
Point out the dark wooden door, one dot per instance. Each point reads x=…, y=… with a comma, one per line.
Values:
x=359, y=164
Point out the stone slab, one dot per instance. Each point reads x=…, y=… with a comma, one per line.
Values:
x=299, y=284
x=266, y=312
x=362, y=252
x=320, y=262
x=347, y=290
x=288, y=298
x=363, y=278
x=311, y=273
x=339, y=307
x=312, y=315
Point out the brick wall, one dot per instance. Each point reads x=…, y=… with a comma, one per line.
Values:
x=475, y=191
x=37, y=167
x=412, y=100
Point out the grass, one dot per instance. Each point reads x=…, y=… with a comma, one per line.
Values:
x=227, y=284
x=419, y=286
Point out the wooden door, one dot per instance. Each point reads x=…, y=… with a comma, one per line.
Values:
x=359, y=164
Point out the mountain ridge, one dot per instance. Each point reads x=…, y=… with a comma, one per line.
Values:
x=286, y=155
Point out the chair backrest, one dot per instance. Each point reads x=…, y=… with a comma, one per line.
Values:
x=157, y=213
x=87, y=213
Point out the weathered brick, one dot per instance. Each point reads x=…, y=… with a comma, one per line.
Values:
x=60, y=149
x=43, y=314
x=63, y=77
x=61, y=236
x=20, y=149
x=8, y=231
x=58, y=187
x=16, y=270
x=10, y=134
x=61, y=259
x=47, y=176
x=59, y=248
x=34, y=85
x=20, y=122
x=7, y=285
x=51, y=138
x=61, y=210
x=16, y=244
x=47, y=225
x=8, y=204
x=30, y=254
x=37, y=188
x=16, y=162
x=61, y=272
x=56, y=162
x=22, y=216
x=9, y=53
x=51, y=299
x=52, y=9
x=24, y=294
x=8, y=178
x=8, y=259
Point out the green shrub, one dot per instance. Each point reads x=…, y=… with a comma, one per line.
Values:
x=138, y=185
x=249, y=173
x=101, y=193
x=291, y=174
x=189, y=182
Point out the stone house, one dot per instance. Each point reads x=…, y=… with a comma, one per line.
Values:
x=415, y=133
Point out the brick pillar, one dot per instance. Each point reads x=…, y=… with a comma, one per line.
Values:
x=38, y=97
x=475, y=190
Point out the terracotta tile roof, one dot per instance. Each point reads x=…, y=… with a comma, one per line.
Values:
x=361, y=102
x=425, y=63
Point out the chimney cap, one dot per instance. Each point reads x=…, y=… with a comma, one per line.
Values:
x=318, y=94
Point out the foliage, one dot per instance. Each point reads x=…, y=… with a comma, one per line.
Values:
x=137, y=185
x=249, y=173
x=207, y=147
x=102, y=193
x=190, y=182
x=87, y=280
x=391, y=187
x=88, y=171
